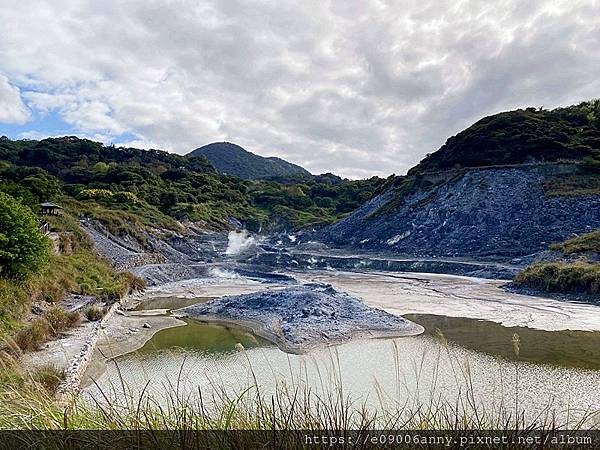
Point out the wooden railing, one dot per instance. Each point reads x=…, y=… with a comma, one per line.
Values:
x=45, y=228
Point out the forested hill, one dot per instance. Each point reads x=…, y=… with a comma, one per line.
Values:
x=128, y=188
x=524, y=135
x=70, y=157
x=232, y=159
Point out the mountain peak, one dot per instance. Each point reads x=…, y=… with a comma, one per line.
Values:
x=231, y=159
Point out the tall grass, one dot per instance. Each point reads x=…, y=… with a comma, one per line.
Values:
x=53, y=322
x=39, y=382
x=290, y=405
x=93, y=313
x=294, y=407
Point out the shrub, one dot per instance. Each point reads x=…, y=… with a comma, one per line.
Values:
x=83, y=272
x=53, y=284
x=592, y=162
x=126, y=197
x=588, y=242
x=93, y=313
x=23, y=249
x=516, y=137
x=134, y=283
x=96, y=194
x=33, y=336
x=60, y=320
x=39, y=331
x=576, y=277
x=20, y=193
x=13, y=304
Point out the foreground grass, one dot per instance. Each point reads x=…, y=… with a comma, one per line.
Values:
x=293, y=406
x=292, y=401
x=577, y=277
x=290, y=407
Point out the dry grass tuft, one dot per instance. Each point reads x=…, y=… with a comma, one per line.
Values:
x=49, y=377
x=52, y=323
x=33, y=335
x=93, y=313
x=61, y=320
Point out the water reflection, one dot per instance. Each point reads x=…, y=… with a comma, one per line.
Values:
x=381, y=373
x=562, y=348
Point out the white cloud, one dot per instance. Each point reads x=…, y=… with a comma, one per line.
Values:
x=12, y=108
x=356, y=87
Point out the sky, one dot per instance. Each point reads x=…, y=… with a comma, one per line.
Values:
x=353, y=87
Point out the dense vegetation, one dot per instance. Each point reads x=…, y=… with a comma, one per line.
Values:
x=23, y=249
x=579, y=276
x=576, y=277
x=232, y=159
x=515, y=137
x=126, y=187
x=30, y=274
x=128, y=190
x=75, y=269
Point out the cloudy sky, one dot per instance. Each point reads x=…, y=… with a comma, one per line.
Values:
x=353, y=87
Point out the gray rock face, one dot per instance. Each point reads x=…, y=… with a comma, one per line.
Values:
x=327, y=260
x=485, y=213
x=303, y=317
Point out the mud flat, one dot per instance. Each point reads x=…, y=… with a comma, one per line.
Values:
x=301, y=318
x=456, y=296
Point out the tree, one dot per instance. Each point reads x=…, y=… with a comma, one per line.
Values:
x=43, y=186
x=23, y=249
x=20, y=193
x=168, y=199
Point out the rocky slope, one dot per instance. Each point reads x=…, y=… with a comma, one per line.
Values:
x=232, y=159
x=501, y=212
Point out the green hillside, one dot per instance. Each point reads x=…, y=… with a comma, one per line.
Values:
x=232, y=159
x=129, y=188
x=515, y=137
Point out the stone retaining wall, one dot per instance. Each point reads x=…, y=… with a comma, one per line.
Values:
x=74, y=372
